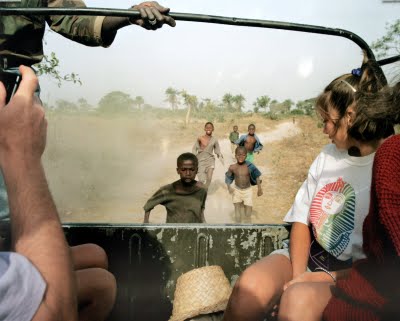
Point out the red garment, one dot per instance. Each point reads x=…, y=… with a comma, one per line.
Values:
x=372, y=289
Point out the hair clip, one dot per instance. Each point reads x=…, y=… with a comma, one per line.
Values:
x=351, y=87
x=356, y=72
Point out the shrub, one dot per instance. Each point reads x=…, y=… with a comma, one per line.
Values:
x=297, y=112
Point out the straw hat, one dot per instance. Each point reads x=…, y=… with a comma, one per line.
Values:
x=200, y=291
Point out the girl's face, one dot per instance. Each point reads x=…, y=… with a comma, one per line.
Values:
x=336, y=129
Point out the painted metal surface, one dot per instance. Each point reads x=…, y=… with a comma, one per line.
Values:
x=233, y=21
x=147, y=259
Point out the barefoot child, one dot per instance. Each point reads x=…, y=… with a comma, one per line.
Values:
x=185, y=198
x=233, y=137
x=245, y=174
x=251, y=142
x=203, y=148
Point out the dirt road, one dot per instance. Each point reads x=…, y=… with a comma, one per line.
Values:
x=219, y=207
x=120, y=199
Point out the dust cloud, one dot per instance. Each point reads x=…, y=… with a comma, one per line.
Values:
x=104, y=169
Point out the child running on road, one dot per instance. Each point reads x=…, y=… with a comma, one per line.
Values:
x=251, y=142
x=204, y=149
x=233, y=137
x=245, y=174
x=185, y=198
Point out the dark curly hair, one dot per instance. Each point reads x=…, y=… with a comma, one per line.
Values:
x=187, y=156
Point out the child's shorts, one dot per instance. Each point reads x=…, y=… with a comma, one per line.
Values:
x=242, y=195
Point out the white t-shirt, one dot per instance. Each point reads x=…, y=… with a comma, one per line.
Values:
x=334, y=199
x=21, y=288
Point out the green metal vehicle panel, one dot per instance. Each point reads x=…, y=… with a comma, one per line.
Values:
x=147, y=259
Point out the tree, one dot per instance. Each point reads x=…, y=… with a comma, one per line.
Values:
x=138, y=102
x=280, y=108
x=83, y=104
x=209, y=106
x=297, y=112
x=307, y=106
x=227, y=101
x=190, y=102
x=261, y=103
x=49, y=66
x=389, y=44
x=115, y=102
x=274, y=107
x=277, y=108
x=65, y=105
x=172, y=97
x=287, y=105
x=238, y=100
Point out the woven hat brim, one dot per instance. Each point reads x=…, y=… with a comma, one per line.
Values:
x=220, y=306
x=200, y=291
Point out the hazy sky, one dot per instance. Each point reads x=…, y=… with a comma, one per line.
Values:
x=210, y=60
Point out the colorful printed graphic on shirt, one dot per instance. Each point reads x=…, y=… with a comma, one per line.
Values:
x=332, y=216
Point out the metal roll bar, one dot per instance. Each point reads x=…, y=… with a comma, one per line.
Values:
x=206, y=19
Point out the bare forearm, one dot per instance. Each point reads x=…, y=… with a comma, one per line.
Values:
x=203, y=219
x=40, y=238
x=299, y=246
x=111, y=25
x=146, y=217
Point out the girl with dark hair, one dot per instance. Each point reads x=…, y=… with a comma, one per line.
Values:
x=326, y=217
x=370, y=292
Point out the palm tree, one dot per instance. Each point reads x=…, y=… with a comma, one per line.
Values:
x=190, y=102
x=139, y=101
x=262, y=102
x=287, y=105
x=239, y=100
x=83, y=104
x=172, y=97
x=227, y=101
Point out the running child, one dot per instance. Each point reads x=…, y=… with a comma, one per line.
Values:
x=185, y=198
x=233, y=137
x=245, y=174
x=251, y=142
x=204, y=149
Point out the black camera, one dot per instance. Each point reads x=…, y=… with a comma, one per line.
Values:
x=10, y=81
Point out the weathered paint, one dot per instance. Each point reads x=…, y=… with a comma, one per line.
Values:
x=148, y=259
